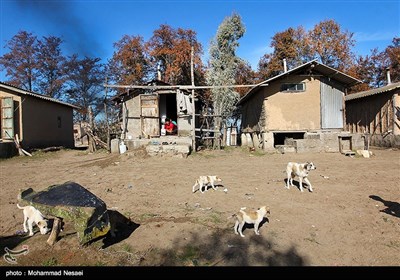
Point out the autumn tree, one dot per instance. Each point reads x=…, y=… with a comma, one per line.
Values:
x=393, y=54
x=363, y=69
x=223, y=65
x=50, y=67
x=244, y=76
x=292, y=45
x=130, y=63
x=170, y=49
x=85, y=85
x=326, y=41
x=372, y=69
x=331, y=45
x=21, y=63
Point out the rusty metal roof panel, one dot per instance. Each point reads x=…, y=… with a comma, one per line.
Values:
x=374, y=91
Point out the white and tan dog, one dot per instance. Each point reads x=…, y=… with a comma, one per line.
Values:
x=33, y=216
x=250, y=217
x=204, y=181
x=300, y=170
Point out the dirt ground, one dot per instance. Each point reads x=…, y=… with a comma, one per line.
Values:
x=351, y=219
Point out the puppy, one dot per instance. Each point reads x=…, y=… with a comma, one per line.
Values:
x=204, y=181
x=301, y=170
x=33, y=216
x=250, y=217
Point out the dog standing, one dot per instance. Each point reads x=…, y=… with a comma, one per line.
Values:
x=301, y=170
x=250, y=217
x=33, y=216
x=204, y=181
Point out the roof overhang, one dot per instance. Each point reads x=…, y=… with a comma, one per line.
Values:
x=33, y=94
x=370, y=92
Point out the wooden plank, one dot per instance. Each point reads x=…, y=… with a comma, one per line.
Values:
x=54, y=232
x=150, y=121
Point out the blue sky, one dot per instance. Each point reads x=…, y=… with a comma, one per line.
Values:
x=91, y=27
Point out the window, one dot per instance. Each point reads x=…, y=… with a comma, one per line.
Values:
x=59, y=122
x=293, y=87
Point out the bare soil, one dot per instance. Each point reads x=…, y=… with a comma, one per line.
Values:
x=351, y=219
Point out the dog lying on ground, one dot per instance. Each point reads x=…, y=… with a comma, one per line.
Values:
x=250, y=217
x=300, y=170
x=33, y=216
x=204, y=181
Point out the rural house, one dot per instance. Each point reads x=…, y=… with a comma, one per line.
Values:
x=301, y=109
x=375, y=113
x=144, y=111
x=37, y=120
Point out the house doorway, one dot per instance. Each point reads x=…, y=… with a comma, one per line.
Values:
x=168, y=108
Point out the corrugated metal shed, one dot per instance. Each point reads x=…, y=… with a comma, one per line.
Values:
x=372, y=91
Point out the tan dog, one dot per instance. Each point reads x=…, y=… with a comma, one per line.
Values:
x=204, y=181
x=250, y=217
x=33, y=216
x=301, y=170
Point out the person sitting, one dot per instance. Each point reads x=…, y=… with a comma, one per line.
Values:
x=170, y=126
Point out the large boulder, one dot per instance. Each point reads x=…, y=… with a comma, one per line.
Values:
x=73, y=203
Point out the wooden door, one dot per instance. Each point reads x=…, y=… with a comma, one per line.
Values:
x=332, y=100
x=150, y=118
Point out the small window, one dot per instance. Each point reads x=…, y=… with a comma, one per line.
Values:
x=293, y=87
x=59, y=122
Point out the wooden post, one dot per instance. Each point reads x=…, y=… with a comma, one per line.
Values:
x=106, y=115
x=193, y=106
x=396, y=113
x=92, y=143
x=225, y=131
x=54, y=232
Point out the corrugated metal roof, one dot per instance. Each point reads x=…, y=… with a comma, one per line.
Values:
x=317, y=67
x=37, y=95
x=372, y=91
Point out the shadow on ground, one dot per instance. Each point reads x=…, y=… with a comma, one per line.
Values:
x=392, y=207
x=224, y=249
x=11, y=242
x=121, y=228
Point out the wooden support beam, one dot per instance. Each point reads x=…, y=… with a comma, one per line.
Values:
x=55, y=231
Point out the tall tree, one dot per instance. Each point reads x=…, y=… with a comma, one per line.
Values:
x=372, y=69
x=51, y=67
x=170, y=49
x=130, y=63
x=85, y=85
x=223, y=67
x=393, y=54
x=20, y=63
x=364, y=70
x=326, y=42
x=331, y=45
x=244, y=76
x=292, y=45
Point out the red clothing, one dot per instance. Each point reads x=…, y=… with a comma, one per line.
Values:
x=169, y=126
